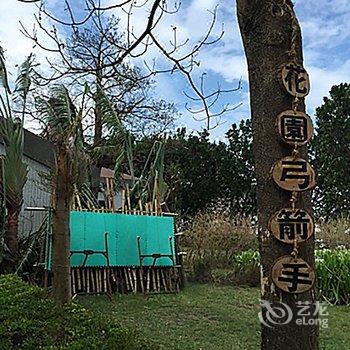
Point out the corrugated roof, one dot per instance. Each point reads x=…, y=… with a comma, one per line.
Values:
x=37, y=148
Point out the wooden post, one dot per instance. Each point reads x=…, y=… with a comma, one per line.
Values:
x=272, y=38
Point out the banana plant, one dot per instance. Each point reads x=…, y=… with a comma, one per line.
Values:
x=14, y=170
x=150, y=183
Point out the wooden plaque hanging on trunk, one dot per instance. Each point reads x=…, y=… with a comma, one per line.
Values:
x=293, y=174
x=294, y=128
x=295, y=79
x=288, y=225
x=292, y=275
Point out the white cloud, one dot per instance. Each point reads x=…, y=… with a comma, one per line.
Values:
x=16, y=45
x=321, y=82
x=325, y=26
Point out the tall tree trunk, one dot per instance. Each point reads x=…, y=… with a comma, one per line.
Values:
x=11, y=240
x=98, y=113
x=267, y=28
x=60, y=228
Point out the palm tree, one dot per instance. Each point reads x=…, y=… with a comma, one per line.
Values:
x=13, y=169
x=64, y=127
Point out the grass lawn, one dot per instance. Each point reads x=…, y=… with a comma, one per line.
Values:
x=207, y=317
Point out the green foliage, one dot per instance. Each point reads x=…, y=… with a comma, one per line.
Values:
x=24, y=82
x=117, y=144
x=225, y=250
x=244, y=270
x=14, y=169
x=206, y=175
x=333, y=275
x=2, y=214
x=217, y=238
x=30, y=320
x=331, y=147
x=3, y=71
x=247, y=258
x=120, y=145
x=64, y=128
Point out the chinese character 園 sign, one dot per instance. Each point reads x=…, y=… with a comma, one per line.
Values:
x=295, y=128
x=289, y=225
x=293, y=275
x=293, y=174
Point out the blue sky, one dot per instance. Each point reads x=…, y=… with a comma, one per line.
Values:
x=325, y=27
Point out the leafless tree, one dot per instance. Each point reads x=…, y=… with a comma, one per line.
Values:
x=181, y=56
x=128, y=89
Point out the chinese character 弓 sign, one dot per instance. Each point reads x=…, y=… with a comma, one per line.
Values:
x=293, y=275
x=293, y=174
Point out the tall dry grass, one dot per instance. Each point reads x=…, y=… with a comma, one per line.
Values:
x=333, y=234
x=212, y=241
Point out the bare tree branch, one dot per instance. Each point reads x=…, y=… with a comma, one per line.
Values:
x=135, y=46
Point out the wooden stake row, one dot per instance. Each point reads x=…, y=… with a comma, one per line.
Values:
x=96, y=280
x=90, y=281
x=154, y=207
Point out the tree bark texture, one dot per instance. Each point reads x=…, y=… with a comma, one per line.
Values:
x=267, y=28
x=98, y=113
x=11, y=239
x=60, y=228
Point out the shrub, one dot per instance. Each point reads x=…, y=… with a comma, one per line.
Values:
x=31, y=320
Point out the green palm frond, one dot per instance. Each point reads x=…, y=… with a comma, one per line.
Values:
x=110, y=117
x=58, y=112
x=15, y=171
x=151, y=179
x=64, y=123
x=2, y=210
x=24, y=80
x=158, y=171
x=3, y=72
x=122, y=139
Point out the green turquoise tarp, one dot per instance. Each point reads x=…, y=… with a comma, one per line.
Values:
x=87, y=232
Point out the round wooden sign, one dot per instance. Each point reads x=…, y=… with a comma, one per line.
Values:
x=290, y=224
x=295, y=79
x=294, y=128
x=292, y=275
x=293, y=174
